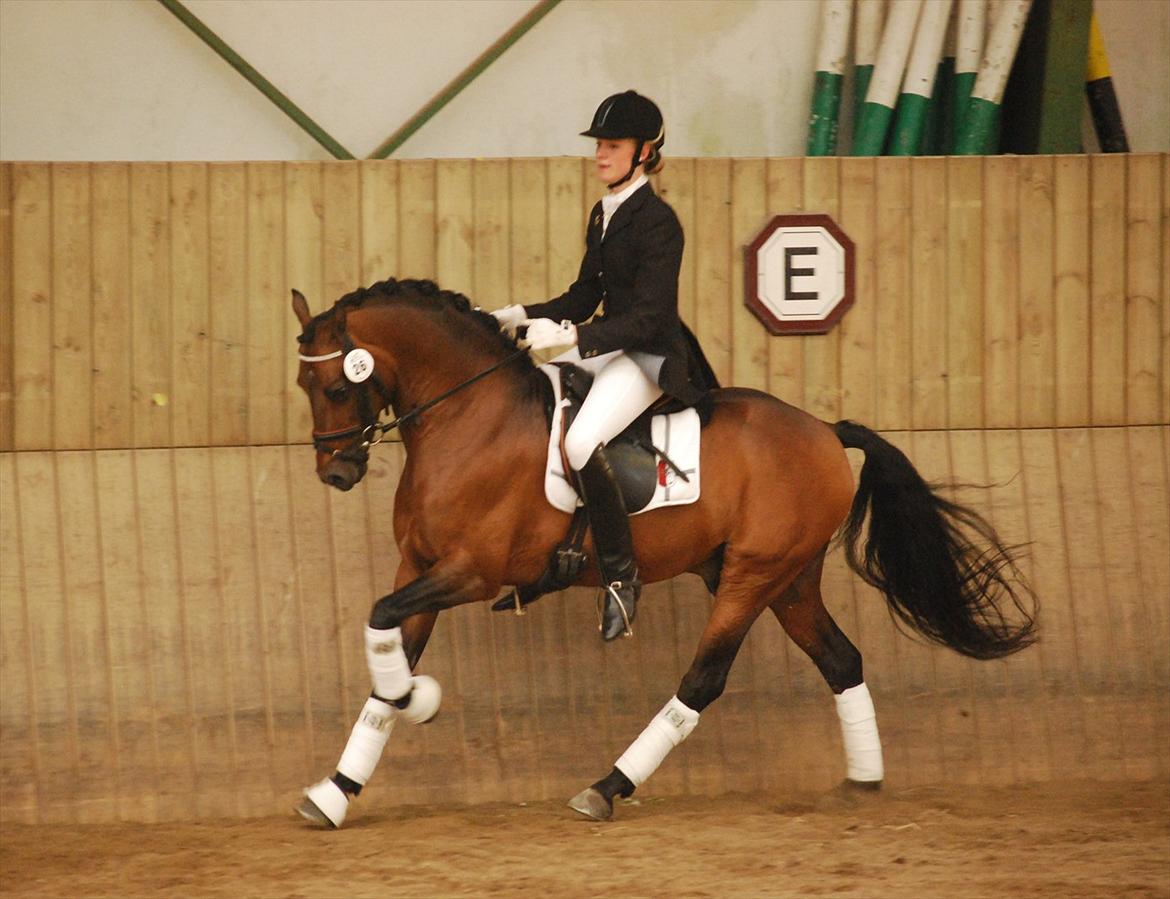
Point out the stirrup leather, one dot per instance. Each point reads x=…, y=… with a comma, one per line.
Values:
x=613, y=590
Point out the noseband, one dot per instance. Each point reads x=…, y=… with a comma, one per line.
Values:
x=370, y=431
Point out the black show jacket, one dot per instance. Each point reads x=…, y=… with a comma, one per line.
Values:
x=634, y=269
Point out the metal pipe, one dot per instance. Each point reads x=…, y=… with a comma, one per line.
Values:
x=464, y=78
x=258, y=81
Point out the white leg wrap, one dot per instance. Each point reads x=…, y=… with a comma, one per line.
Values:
x=389, y=669
x=863, y=747
x=665, y=731
x=367, y=740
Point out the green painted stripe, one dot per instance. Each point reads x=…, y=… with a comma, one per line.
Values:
x=826, y=105
x=909, y=124
x=963, y=84
x=870, y=135
x=258, y=81
x=940, y=114
x=463, y=79
x=980, y=128
x=861, y=79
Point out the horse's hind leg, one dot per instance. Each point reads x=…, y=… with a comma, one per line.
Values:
x=741, y=598
x=801, y=611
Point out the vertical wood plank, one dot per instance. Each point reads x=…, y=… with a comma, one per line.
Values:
x=713, y=263
x=267, y=354
x=417, y=225
x=1048, y=566
x=454, y=226
x=303, y=255
x=895, y=352
x=529, y=237
x=1107, y=307
x=191, y=301
x=1039, y=254
x=965, y=321
x=566, y=227
x=1105, y=743
x=320, y=628
x=1074, y=230
x=46, y=613
x=243, y=637
x=73, y=351
x=1031, y=715
x=1132, y=660
x=18, y=749
x=278, y=617
x=379, y=225
x=212, y=723
x=228, y=250
x=112, y=378
x=32, y=311
x=858, y=337
x=1144, y=264
x=94, y=792
x=129, y=646
x=749, y=192
x=786, y=354
x=928, y=292
x=166, y=631
x=677, y=185
x=822, y=352
x=150, y=303
x=342, y=261
x=1001, y=302
x=1150, y=486
x=492, y=231
x=7, y=370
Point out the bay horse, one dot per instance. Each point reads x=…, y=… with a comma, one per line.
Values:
x=471, y=517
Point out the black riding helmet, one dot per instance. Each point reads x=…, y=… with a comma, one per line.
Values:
x=629, y=114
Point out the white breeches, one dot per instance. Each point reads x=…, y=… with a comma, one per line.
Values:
x=622, y=390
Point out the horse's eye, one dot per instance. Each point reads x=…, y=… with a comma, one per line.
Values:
x=337, y=392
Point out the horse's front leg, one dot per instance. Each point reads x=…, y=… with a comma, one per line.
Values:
x=399, y=627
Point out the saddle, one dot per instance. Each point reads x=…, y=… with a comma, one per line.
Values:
x=655, y=460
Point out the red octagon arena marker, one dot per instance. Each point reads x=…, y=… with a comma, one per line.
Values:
x=799, y=274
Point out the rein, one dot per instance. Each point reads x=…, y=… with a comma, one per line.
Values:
x=375, y=432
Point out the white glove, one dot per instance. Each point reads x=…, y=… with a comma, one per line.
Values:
x=544, y=333
x=510, y=317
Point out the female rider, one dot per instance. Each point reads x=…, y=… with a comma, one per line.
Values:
x=638, y=349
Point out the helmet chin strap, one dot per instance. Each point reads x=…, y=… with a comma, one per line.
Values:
x=634, y=163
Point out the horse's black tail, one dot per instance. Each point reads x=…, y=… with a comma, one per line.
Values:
x=941, y=566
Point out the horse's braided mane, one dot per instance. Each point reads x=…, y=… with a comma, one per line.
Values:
x=428, y=296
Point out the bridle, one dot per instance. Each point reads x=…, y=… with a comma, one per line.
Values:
x=370, y=431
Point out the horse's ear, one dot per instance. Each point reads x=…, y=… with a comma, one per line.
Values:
x=301, y=307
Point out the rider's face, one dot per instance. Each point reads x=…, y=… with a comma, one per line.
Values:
x=613, y=158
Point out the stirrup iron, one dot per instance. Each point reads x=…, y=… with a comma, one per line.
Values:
x=602, y=595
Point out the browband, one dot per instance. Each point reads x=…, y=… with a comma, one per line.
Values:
x=324, y=358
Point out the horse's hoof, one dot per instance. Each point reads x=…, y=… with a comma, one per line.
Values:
x=325, y=804
x=592, y=804
x=862, y=786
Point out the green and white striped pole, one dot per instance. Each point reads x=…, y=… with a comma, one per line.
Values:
x=869, y=136
x=866, y=37
x=981, y=118
x=826, y=100
x=972, y=22
x=919, y=82
x=938, y=134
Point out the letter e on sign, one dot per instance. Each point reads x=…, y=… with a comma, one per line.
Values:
x=799, y=275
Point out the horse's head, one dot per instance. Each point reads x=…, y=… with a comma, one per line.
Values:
x=345, y=393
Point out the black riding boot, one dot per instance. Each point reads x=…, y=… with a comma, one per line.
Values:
x=610, y=524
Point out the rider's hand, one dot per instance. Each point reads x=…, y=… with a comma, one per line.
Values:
x=544, y=333
x=510, y=317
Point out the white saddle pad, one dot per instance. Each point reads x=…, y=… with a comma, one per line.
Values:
x=676, y=435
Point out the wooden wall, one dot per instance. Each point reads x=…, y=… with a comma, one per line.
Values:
x=181, y=600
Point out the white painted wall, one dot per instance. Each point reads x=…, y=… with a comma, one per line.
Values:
x=124, y=79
